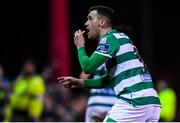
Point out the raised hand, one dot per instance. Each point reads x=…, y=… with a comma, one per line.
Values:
x=71, y=82
x=79, y=40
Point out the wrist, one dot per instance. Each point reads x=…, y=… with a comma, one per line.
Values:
x=80, y=46
x=82, y=83
x=87, y=83
x=81, y=51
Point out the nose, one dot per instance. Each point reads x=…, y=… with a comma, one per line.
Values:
x=86, y=23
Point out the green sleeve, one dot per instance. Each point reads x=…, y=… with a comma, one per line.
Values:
x=101, y=82
x=90, y=64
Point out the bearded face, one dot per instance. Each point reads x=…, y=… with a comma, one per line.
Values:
x=92, y=25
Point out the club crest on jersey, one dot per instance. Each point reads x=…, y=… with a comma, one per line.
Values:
x=103, y=40
x=103, y=48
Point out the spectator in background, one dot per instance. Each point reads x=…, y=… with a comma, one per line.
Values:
x=26, y=101
x=100, y=100
x=168, y=100
x=56, y=108
x=49, y=110
x=3, y=92
x=47, y=74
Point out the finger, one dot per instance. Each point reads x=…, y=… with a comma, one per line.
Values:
x=80, y=31
x=67, y=78
x=62, y=81
x=61, y=78
x=76, y=31
x=75, y=34
x=67, y=85
x=64, y=84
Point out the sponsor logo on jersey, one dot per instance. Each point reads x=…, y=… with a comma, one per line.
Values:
x=145, y=77
x=103, y=48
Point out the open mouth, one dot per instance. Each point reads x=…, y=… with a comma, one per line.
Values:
x=86, y=30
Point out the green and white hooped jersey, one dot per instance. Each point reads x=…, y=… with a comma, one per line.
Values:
x=131, y=79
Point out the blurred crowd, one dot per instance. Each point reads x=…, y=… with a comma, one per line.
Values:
x=33, y=96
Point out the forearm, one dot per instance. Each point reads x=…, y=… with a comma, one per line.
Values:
x=89, y=65
x=83, y=59
x=103, y=81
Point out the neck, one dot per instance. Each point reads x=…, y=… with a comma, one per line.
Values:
x=104, y=31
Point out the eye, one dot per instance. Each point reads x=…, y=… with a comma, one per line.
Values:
x=90, y=17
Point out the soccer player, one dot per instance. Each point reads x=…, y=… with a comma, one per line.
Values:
x=126, y=72
x=100, y=100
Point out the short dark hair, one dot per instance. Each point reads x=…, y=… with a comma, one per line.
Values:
x=104, y=11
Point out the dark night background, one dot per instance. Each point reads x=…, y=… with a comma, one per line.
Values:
x=155, y=31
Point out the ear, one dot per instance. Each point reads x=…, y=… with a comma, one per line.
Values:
x=102, y=23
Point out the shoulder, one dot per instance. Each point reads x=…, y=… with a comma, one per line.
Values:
x=36, y=80
x=114, y=35
x=119, y=35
